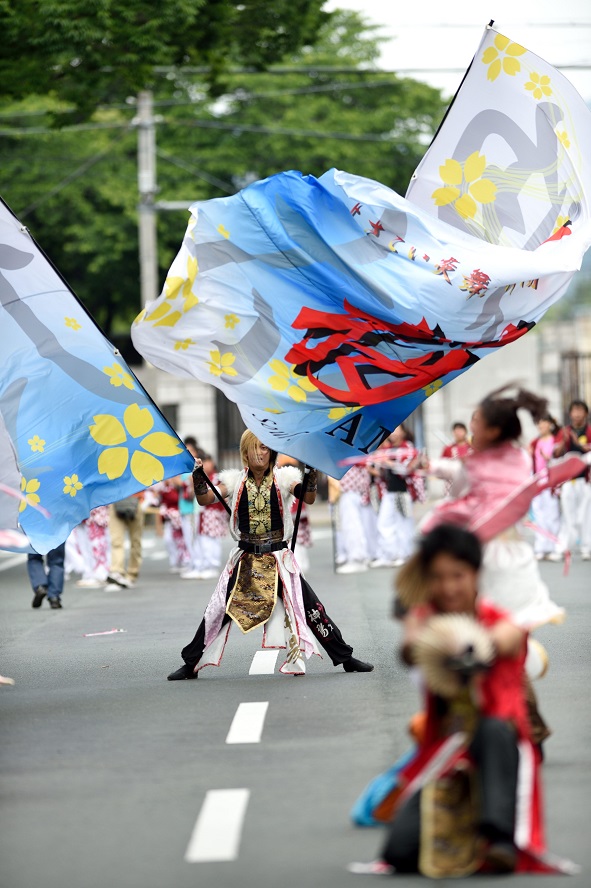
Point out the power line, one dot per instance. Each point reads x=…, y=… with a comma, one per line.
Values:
x=80, y=171
x=279, y=131
x=73, y=128
x=214, y=124
x=244, y=95
x=201, y=174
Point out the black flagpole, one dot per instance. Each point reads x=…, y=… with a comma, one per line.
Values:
x=212, y=486
x=296, y=522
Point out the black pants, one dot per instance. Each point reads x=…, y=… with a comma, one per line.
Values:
x=326, y=631
x=494, y=750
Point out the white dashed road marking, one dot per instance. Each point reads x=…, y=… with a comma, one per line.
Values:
x=263, y=663
x=217, y=832
x=247, y=724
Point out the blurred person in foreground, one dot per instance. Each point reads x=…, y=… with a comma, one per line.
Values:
x=261, y=584
x=457, y=809
x=481, y=483
x=481, y=486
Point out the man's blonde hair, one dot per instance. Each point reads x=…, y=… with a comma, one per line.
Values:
x=249, y=445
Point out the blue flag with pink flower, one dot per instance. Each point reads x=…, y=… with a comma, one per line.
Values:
x=77, y=430
x=328, y=309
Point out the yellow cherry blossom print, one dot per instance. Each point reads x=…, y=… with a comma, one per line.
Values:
x=223, y=231
x=183, y=344
x=464, y=185
x=338, y=412
x=539, y=85
x=432, y=387
x=72, y=323
x=72, y=485
x=169, y=312
x=285, y=380
x=502, y=56
x=221, y=364
x=230, y=321
x=117, y=439
x=563, y=139
x=560, y=221
x=36, y=444
x=118, y=376
x=29, y=488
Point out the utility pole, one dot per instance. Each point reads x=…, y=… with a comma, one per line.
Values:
x=148, y=250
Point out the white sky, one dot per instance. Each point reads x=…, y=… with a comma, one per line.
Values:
x=431, y=34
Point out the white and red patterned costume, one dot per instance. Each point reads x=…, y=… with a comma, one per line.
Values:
x=396, y=526
x=356, y=532
x=213, y=527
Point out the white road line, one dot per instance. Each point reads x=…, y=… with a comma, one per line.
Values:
x=247, y=724
x=263, y=663
x=217, y=832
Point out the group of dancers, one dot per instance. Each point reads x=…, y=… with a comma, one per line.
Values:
x=469, y=596
x=372, y=507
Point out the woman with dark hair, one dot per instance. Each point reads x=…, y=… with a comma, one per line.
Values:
x=261, y=584
x=481, y=484
x=456, y=809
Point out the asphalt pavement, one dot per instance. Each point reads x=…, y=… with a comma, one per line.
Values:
x=110, y=775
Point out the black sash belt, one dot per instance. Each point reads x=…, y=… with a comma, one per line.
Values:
x=261, y=548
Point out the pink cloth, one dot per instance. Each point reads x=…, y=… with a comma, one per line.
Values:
x=543, y=449
x=491, y=476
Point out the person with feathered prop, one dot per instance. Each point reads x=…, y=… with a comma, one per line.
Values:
x=469, y=798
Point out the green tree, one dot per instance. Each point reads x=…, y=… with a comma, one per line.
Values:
x=76, y=188
x=91, y=52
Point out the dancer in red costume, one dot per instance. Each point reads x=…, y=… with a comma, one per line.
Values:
x=469, y=800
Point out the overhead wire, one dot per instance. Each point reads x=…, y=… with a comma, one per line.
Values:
x=75, y=174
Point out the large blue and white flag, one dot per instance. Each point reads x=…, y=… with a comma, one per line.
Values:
x=329, y=309
x=77, y=430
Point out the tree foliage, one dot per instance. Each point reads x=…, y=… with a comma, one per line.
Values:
x=76, y=187
x=91, y=51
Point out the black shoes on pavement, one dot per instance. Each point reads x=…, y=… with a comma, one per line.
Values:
x=500, y=858
x=40, y=593
x=185, y=672
x=353, y=665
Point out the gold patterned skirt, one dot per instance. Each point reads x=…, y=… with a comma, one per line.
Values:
x=254, y=594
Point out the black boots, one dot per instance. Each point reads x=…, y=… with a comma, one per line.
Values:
x=40, y=593
x=185, y=672
x=353, y=665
